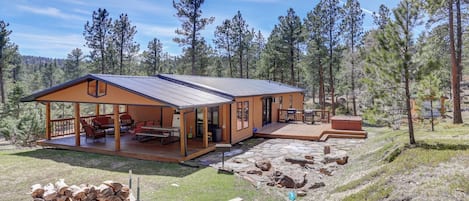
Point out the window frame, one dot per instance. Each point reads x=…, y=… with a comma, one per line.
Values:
x=242, y=115
x=98, y=90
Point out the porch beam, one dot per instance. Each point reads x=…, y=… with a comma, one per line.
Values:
x=76, y=110
x=117, y=130
x=205, y=133
x=96, y=110
x=182, y=133
x=48, y=128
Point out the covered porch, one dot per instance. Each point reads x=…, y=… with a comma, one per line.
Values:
x=145, y=99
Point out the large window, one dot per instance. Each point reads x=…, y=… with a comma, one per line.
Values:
x=242, y=115
x=96, y=88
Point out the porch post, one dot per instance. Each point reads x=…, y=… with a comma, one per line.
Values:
x=117, y=130
x=76, y=108
x=96, y=110
x=48, y=130
x=205, y=133
x=182, y=133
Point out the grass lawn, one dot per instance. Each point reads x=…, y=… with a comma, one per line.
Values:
x=21, y=168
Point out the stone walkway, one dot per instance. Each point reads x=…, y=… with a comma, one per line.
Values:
x=309, y=175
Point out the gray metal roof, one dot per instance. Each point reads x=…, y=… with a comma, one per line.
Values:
x=234, y=87
x=161, y=90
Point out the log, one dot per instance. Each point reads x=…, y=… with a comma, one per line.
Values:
x=77, y=192
x=104, y=191
x=92, y=194
x=37, y=191
x=50, y=192
x=123, y=193
x=62, y=187
x=114, y=185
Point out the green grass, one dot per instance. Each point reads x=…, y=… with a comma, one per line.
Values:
x=396, y=157
x=23, y=168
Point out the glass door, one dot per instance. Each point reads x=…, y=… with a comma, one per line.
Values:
x=266, y=110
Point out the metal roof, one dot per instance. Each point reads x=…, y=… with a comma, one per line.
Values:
x=161, y=90
x=234, y=87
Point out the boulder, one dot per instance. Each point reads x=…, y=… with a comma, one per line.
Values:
x=342, y=161
x=264, y=165
x=309, y=157
x=317, y=185
x=292, y=180
x=258, y=172
x=330, y=158
x=301, y=193
x=325, y=171
x=299, y=161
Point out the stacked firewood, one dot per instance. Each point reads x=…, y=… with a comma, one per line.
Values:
x=107, y=191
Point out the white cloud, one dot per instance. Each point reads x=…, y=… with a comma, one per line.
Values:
x=52, y=45
x=155, y=30
x=367, y=11
x=50, y=11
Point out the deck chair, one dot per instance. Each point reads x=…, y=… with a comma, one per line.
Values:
x=93, y=133
x=126, y=120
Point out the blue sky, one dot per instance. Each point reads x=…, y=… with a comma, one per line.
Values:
x=52, y=28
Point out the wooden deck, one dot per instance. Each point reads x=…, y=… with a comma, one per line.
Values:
x=315, y=132
x=149, y=150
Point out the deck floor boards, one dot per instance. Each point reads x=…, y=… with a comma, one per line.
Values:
x=148, y=150
x=305, y=131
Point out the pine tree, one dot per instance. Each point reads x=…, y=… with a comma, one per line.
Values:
x=190, y=14
x=152, y=57
x=222, y=40
x=97, y=35
x=73, y=63
x=332, y=20
x=240, y=32
x=291, y=27
x=353, y=32
x=123, y=37
x=6, y=48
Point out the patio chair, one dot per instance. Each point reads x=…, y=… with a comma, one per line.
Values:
x=83, y=122
x=93, y=133
x=126, y=120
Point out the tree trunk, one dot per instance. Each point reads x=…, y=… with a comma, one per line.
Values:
x=2, y=84
x=193, y=42
x=454, y=70
x=241, y=63
x=292, y=65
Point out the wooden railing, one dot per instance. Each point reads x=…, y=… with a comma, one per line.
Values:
x=63, y=127
x=307, y=116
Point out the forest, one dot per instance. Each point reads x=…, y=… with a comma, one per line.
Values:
x=415, y=51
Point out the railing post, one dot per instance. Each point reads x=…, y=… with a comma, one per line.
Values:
x=77, y=123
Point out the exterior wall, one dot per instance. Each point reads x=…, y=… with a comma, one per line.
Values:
x=255, y=113
x=114, y=95
x=240, y=135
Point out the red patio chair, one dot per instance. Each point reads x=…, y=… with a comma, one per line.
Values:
x=93, y=133
x=126, y=120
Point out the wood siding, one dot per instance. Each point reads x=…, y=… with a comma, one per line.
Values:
x=114, y=95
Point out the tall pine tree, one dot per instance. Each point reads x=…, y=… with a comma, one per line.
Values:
x=97, y=35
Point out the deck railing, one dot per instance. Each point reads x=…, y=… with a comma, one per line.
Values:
x=307, y=116
x=63, y=127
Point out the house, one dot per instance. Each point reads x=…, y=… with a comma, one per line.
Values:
x=225, y=110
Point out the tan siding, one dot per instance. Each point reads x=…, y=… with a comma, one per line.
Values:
x=114, y=95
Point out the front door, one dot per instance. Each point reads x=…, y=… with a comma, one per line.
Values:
x=212, y=120
x=266, y=111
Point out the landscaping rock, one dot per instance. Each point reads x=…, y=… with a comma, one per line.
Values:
x=309, y=157
x=317, y=185
x=264, y=165
x=327, y=149
x=258, y=172
x=293, y=180
x=299, y=161
x=301, y=193
x=330, y=158
x=325, y=171
x=342, y=161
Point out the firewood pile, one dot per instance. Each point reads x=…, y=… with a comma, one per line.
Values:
x=107, y=191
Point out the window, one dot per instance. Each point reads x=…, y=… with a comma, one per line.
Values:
x=242, y=115
x=96, y=88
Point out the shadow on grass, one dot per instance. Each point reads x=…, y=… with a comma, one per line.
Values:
x=109, y=163
x=442, y=146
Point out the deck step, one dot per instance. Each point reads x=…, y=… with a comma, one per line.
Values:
x=327, y=136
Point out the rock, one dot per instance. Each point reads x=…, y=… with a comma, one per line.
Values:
x=317, y=185
x=264, y=165
x=327, y=149
x=309, y=157
x=299, y=161
x=301, y=193
x=237, y=160
x=330, y=158
x=293, y=180
x=236, y=199
x=258, y=172
x=342, y=161
x=325, y=171
x=270, y=183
